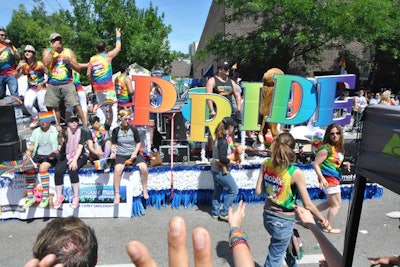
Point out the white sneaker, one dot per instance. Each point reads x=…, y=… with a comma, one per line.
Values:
x=34, y=123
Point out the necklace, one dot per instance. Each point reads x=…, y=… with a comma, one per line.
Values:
x=44, y=137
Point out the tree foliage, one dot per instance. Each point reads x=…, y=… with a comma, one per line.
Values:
x=294, y=33
x=144, y=35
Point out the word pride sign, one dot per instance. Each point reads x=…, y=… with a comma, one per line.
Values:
x=295, y=100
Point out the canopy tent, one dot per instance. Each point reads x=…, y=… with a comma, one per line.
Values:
x=377, y=161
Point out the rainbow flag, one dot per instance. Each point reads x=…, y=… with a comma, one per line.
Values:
x=17, y=165
x=47, y=116
x=100, y=164
x=108, y=102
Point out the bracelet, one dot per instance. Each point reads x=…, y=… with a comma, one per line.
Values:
x=118, y=38
x=237, y=236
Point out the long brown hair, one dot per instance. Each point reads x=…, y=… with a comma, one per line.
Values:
x=220, y=131
x=327, y=139
x=282, y=150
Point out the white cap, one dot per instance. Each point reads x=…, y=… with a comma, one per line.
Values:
x=29, y=48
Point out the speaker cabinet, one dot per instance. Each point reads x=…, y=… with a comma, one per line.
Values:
x=8, y=125
x=179, y=128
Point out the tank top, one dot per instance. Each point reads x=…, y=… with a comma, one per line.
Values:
x=34, y=75
x=101, y=73
x=223, y=88
x=277, y=183
x=60, y=71
x=77, y=81
x=123, y=97
x=7, y=66
x=330, y=167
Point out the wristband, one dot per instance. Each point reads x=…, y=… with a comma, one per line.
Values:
x=118, y=38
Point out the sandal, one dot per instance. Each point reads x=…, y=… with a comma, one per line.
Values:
x=330, y=230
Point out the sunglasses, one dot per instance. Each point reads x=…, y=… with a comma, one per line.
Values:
x=27, y=51
x=334, y=133
x=56, y=39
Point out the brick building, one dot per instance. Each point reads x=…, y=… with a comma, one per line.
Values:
x=329, y=60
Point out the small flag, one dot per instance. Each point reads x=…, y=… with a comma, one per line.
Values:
x=24, y=165
x=100, y=164
x=108, y=102
x=17, y=165
x=342, y=67
x=47, y=116
x=209, y=72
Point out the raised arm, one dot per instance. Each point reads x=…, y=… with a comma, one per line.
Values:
x=113, y=53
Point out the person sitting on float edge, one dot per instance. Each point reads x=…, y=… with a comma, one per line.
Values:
x=43, y=149
x=101, y=140
x=73, y=157
x=125, y=150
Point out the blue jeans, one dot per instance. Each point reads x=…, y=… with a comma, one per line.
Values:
x=281, y=232
x=12, y=83
x=221, y=182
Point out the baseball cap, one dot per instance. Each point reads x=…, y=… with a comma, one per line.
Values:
x=29, y=48
x=222, y=65
x=73, y=118
x=54, y=35
x=228, y=121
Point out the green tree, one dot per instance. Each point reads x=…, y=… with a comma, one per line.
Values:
x=144, y=35
x=294, y=33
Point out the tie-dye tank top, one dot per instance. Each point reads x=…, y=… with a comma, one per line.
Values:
x=101, y=73
x=123, y=97
x=77, y=81
x=277, y=184
x=60, y=71
x=7, y=66
x=34, y=75
x=331, y=165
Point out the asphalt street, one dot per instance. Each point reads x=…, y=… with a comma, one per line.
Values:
x=378, y=234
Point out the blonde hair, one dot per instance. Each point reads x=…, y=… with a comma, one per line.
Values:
x=282, y=150
x=124, y=112
x=385, y=98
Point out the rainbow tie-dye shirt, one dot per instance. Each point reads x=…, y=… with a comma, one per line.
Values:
x=60, y=71
x=77, y=81
x=7, y=66
x=331, y=165
x=101, y=73
x=34, y=75
x=277, y=184
x=123, y=96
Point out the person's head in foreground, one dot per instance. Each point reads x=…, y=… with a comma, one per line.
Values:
x=72, y=241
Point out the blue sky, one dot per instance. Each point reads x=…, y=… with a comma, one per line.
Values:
x=187, y=17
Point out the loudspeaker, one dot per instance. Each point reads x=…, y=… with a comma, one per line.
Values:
x=8, y=125
x=179, y=127
x=12, y=150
